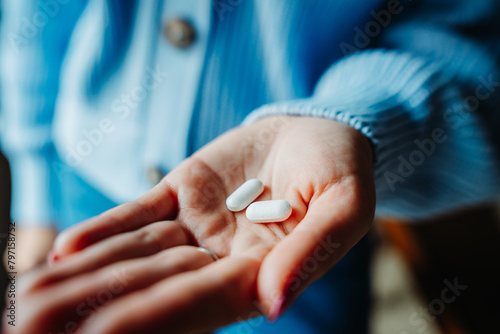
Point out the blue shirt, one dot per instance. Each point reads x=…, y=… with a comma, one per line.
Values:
x=95, y=87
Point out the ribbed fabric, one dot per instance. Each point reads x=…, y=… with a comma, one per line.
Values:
x=252, y=59
x=397, y=113
x=293, y=43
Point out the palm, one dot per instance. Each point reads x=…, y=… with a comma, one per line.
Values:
x=322, y=168
x=203, y=182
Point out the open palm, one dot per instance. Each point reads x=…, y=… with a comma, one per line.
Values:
x=321, y=167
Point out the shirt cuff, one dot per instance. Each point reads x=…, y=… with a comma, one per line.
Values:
x=432, y=154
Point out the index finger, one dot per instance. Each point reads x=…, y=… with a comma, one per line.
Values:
x=191, y=302
x=158, y=204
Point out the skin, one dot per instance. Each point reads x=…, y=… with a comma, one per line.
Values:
x=34, y=244
x=323, y=168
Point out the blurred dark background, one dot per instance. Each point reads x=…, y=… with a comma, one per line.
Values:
x=4, y=211
x=4, y=218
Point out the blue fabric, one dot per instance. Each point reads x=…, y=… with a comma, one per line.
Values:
x=32, y=50
x=79, y=201
x=98, y=83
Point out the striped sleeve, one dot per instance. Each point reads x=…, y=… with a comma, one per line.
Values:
x=429, y=103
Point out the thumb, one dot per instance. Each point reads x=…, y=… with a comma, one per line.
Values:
x=334, y=223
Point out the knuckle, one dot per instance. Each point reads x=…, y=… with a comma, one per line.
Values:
x=34, y=280
x=184, y=258
x=149, y=238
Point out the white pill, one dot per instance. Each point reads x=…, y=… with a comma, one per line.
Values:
x=269, y=211
x=244, y=195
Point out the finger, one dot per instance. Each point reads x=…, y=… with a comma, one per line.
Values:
x=216, y=295
x=82, y=297
x=148, y=240
x=334, y=223
x=158, y=204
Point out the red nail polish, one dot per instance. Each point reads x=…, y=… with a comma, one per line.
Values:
x=52, y=257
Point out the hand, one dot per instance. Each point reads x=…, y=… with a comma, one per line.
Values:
x=323, y=168
x=70, y=295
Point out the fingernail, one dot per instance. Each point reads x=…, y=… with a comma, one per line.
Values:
x=281, y=304
x=276, y=309
x=52, y=257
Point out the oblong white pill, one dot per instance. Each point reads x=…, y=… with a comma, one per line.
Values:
x=244, y=195
x=269, y=211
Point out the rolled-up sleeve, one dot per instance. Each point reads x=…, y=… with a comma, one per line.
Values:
x=427, y=96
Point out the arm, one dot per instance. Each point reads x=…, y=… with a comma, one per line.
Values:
x=34, y=39
x=427, y=98
x=323, y=167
